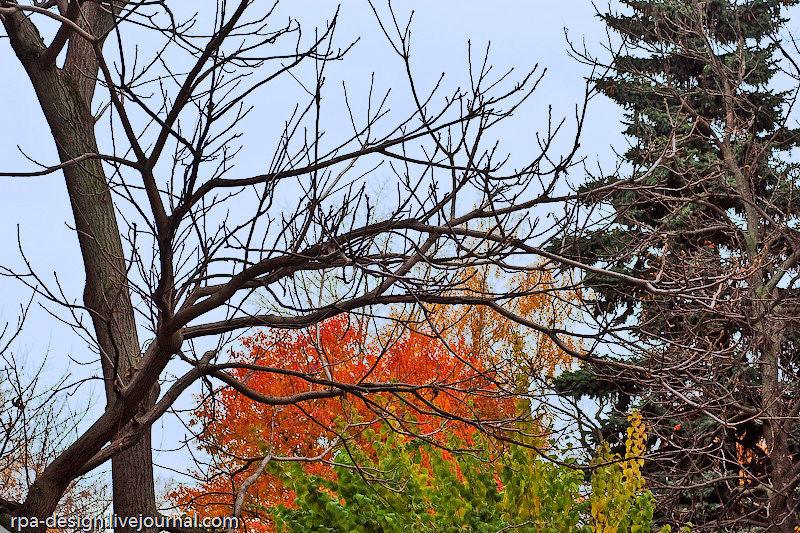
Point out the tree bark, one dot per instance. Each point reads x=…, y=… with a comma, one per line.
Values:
x=65, y=96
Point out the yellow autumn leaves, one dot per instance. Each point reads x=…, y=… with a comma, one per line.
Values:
x=619, y=500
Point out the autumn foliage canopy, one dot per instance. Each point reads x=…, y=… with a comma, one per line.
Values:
x=461, y=372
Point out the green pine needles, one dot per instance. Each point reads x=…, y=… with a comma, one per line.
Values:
x=705, y=208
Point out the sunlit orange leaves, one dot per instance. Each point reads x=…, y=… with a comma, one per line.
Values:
x=531, y=296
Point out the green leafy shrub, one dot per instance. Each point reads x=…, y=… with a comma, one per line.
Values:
x=404, y=485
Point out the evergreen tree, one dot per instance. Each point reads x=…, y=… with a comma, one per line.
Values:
x=707, y=212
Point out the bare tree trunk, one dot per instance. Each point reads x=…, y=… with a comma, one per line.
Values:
x=775, y=435
x=769, y=344
x=65, y=96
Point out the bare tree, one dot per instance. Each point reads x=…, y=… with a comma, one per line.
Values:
x=176, y=239
x=36, y=424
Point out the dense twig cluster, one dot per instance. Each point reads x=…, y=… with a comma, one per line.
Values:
x=183, y=243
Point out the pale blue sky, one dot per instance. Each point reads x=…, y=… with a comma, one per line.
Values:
x=522, y=33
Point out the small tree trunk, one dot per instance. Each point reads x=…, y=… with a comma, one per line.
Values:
x=780, y=508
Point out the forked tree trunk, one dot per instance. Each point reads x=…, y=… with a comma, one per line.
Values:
x=65, y=96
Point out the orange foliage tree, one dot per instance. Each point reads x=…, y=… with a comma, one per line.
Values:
x=446, y=370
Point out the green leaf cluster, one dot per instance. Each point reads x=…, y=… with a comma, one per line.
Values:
x=404, y=485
